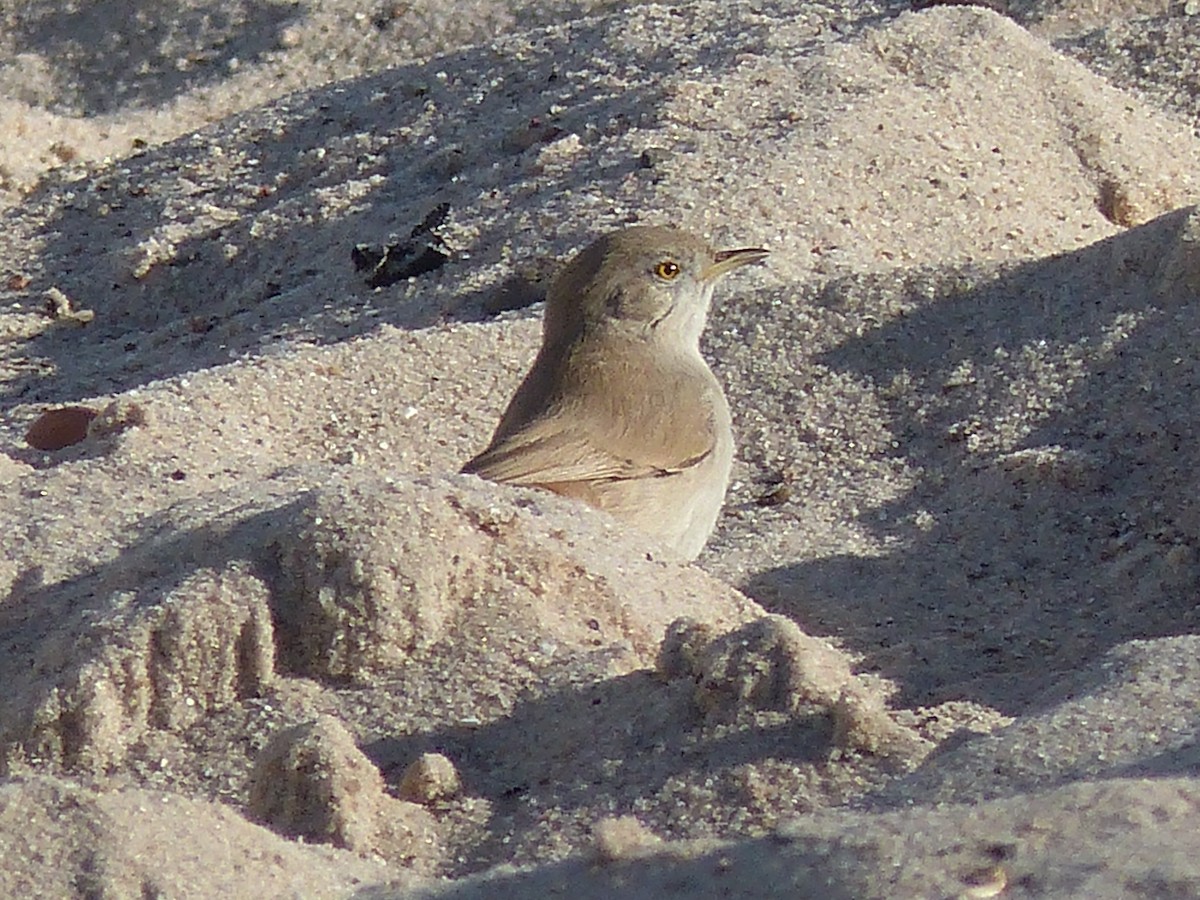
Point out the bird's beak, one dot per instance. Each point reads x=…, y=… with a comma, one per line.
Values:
x=725, y=261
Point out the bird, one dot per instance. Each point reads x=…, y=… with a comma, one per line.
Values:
x=620, y=409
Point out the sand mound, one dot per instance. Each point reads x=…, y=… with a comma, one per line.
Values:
x=62, y=840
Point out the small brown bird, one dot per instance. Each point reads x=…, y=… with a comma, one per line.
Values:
x=620, y=410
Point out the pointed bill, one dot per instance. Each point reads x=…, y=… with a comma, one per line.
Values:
x=725, y=261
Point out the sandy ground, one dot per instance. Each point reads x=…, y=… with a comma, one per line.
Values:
x=260, y=640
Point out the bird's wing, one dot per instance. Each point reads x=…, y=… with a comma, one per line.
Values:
x=544, y=454
x=672, y=429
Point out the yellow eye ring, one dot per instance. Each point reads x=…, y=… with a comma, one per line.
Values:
x=667, y=270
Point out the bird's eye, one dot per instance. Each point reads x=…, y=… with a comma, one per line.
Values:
x=667, y=270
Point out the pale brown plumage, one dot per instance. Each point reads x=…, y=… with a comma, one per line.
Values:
x=619, y=409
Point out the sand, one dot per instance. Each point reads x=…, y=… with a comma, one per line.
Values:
x=261, y=640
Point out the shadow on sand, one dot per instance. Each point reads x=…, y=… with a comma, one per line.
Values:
x=1080, y=534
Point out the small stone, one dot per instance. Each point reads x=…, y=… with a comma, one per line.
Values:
x=623, y=838
x=429, y=778
x=982, y=883
x=776, y=496
x=1118, y=204
x=58, y=304
x=59, y=428
x=653, y=157
x=65, y=152
x=291, y=36
x=60, y=308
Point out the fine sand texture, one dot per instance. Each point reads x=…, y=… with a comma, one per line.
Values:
x=269, y=273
